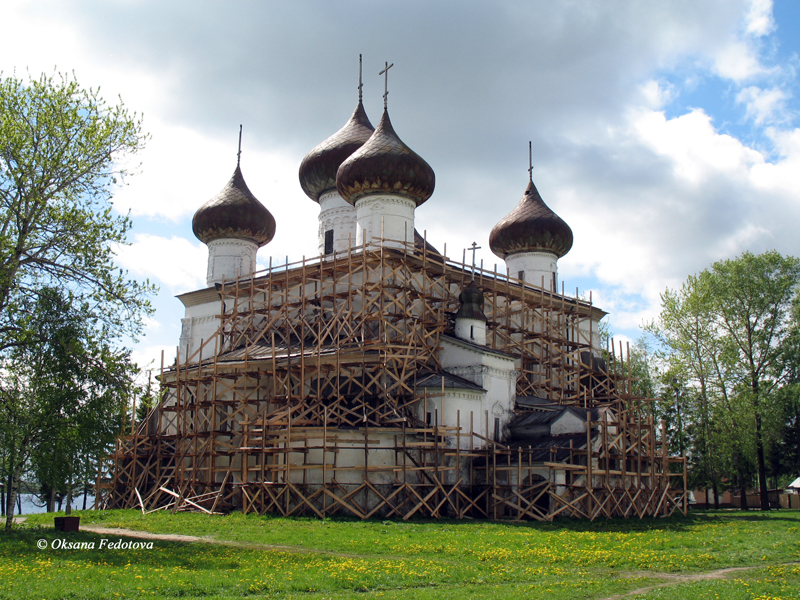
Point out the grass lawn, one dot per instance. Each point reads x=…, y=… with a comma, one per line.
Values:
x=341, y=558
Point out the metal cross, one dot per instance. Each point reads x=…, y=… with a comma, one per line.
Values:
x=473, y=248
x=360, y=85
x=530, y=162
x=386, y=82
x=239, y=153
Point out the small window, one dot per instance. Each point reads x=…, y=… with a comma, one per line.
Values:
x=496, y=429
x=329, y=241
x=521, y=275
x=472, y=332
x=429, y=418
x=555, y=283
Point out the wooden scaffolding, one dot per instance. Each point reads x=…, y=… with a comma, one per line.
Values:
x=305, y=401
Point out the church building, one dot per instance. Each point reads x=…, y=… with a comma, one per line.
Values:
x=384, y=378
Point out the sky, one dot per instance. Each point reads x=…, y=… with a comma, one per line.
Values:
x=666, y=134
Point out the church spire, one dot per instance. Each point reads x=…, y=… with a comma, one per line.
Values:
x=318, y=169
x=531, y=238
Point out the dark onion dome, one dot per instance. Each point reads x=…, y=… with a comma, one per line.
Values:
x=385, y=165
x=531, y=227
x=471, y=303
x=234, y=213
x=318, y=169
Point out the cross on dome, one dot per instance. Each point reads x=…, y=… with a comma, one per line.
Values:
x=360, y=84
x=385, y=72
x=239, y=153
x=472, y=249
x=530, y=161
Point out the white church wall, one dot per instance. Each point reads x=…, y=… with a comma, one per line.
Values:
x=346, y=449
x=200, y=323
x=589, y=332
x=493, y=371
x=337, y=215
x=539, y=269
x=230, y=259
x=385, y=216
x=457, y=407
x=472, y=330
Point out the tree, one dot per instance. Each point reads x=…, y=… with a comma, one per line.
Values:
x=61, y=151
x=61, y=147
x=689, y=376
x=732, y=331
x=67, y=396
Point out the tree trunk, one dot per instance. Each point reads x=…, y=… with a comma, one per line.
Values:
x=13, y=486
x=69, y=496
x=9, y=506
x=716, y=495
x=51, y=501
x=762, y=467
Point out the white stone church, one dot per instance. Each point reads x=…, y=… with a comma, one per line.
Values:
x=385, y=379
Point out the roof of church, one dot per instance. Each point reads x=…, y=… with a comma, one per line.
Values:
x=541, y=446
x=420, y=243
x=319, y=167
x=385, y=165
x=431, y=379
x=476, y=347
x=535, y=403
x=234, y=213
x=531, y=227
x=547, y=416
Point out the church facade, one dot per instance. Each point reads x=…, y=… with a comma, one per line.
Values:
x=383, y=378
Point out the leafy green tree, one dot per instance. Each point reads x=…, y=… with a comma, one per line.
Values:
x=753, y=298
x=61, y=147
x=729, y=333
x=68, y=396
x=61, y=151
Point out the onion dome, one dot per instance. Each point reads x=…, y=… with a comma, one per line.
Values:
x=234, y=213
x=318, y=169
x=471, y=303
x=531, y=227
x=385, y=165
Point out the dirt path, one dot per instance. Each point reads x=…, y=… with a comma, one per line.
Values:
x=174, y=537
x=675, y=579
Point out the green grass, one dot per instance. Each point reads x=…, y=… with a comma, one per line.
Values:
x=342, y=558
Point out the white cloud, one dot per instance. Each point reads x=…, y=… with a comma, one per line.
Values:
x=181, y=169
x=150, y=324
x=148, y=358
x=759, y=20
x=739, y=61
x=705, y=196
x=650, y=198
x=657, y=94
x=779, y=178
x=175, y=262
x=763, y=106
x=692, y=145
